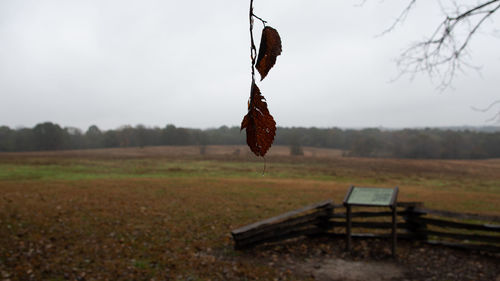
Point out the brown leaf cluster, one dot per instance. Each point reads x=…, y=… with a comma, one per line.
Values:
x=259, y=123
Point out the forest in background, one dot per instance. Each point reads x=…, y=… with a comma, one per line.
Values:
x=427, y=143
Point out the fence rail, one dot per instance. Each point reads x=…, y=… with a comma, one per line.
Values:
x=309, y=220
x=471, y=231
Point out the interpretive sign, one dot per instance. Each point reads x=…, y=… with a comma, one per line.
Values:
x=371, y=197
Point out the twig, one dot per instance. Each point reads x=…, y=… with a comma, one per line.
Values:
x=263, y=21
x=400, y=19
x=494, y=117
x=487, y=108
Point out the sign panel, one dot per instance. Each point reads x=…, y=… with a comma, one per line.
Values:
x=370, y=196
x=375, y=197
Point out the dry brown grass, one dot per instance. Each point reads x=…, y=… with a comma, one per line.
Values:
x=166, y=212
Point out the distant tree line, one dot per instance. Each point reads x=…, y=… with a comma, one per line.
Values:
x=407, y=143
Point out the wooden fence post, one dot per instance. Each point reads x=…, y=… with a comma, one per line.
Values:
x=394, y=229
x=415, y=227
x=348, y=228
x=325, y=224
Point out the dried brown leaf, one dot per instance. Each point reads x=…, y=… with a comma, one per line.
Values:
x=259, y=124
x=270, y=48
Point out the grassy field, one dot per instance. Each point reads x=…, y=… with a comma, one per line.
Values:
x=167, y=212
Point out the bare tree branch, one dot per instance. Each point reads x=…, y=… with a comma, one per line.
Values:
x=487, y=108
x=495, y=117
x=445, y=52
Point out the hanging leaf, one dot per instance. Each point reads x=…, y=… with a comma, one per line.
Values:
x=270, y=48
x=259, y=124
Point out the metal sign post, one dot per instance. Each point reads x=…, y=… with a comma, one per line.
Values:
x=371, y=197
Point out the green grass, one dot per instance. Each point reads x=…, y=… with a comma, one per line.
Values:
x=76, y=169
x=79, y=170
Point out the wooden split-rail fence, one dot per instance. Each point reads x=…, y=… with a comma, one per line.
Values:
x=480, y=232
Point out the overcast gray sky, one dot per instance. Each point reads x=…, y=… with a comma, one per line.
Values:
x=154, y=62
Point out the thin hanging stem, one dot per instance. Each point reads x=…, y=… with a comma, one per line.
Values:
x=265, y=164
x=253, y=49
